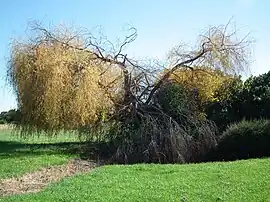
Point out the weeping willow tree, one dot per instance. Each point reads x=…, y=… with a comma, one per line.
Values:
x=59, y=87
x=68, y=80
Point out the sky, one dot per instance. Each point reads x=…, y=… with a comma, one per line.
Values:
x=161, y=24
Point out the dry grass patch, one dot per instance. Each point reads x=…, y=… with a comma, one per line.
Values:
x=6, y=127
x=36, y=181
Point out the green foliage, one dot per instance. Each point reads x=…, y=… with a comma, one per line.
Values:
x=2, y=121
x=247, y=139
x=255, y=97
x=12, y=116
x=231, y=181
x=236, y=100
x=225, y=108
x=177, y=101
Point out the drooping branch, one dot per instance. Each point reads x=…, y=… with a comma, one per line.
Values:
x=218, y=50
x=96, y=52
x=138, y=82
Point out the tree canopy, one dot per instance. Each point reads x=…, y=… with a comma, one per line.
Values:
x=203, y=81
x=68, y=80
x=58, y=86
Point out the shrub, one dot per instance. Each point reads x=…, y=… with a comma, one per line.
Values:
x=247, y=139
x=2, y=121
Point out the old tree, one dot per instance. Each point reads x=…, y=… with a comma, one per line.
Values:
x=70, y=80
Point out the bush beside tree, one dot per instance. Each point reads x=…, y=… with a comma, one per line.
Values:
x=243, y=140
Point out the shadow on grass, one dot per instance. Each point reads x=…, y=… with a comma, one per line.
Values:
x=11, y=149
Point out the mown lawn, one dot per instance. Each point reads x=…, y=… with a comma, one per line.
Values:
x=246, y=180
x=18, y=156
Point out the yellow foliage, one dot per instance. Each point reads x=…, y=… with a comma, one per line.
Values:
x=59, y=87
x=205, y=80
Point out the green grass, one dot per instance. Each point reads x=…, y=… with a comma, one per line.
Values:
x=9, y=135
x=16, y=166
x=246, y=180
x=18, y=156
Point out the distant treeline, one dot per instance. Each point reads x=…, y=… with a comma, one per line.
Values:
x=12, y=116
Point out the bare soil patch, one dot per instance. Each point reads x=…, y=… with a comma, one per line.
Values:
x=36, y=181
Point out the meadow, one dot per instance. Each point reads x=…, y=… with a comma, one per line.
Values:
x=245, y=180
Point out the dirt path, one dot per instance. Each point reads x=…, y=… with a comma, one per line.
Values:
x=36, y=181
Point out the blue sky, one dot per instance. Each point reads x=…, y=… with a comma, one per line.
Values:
x=161, y=24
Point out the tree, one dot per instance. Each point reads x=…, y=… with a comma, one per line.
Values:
x=225, y=108
x=43, y=71
x=202, y=81
x=12, y=116
x=255, y=97
x=58, y=86
x=217, y=49
x=236, y=100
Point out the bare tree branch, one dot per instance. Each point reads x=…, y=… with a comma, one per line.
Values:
x=129, y=39
x=217, y=49
x=167, y=75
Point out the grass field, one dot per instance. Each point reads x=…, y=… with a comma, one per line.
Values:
x=18, y=156
x=247, y=180
x=234, y=181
